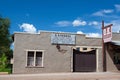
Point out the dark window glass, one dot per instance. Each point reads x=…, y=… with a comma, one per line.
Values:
x=30, y=60
x=84, y=48
x=38, y=58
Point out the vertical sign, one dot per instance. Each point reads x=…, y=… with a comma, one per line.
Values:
x=107, y=33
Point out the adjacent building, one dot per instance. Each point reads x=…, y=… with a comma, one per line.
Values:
x=51, y=52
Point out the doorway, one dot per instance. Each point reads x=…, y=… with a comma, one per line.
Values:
x=84, y=61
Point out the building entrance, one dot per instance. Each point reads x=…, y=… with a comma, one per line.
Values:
x=84, y=61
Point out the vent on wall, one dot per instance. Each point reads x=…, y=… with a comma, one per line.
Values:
x=84, y=49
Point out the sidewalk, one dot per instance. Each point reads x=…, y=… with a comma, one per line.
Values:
x=63, y=76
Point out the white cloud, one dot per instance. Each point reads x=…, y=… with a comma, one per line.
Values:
x=63, y=23
x=94, y=23
x=117, y=7
x=97, y=35
x=93, y=35
x=99, y=13
x=80, y=32
x=79, y=23
x=108, y=11
x=116, y=25
x=76, y=22
x=103, y=12
x=30, y=28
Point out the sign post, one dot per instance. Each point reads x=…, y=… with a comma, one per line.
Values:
x=106, y=37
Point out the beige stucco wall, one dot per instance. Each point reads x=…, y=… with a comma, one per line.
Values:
x=109, y=61
x=54, y=61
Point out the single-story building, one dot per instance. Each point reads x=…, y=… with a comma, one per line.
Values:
x=51, y=52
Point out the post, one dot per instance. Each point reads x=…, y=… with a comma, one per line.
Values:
x=103, y=49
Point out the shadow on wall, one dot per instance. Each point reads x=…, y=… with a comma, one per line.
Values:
x=114, y=53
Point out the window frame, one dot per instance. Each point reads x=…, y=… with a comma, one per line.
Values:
x=42, y=52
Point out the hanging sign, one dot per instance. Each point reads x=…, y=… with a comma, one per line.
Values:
x=107, y=33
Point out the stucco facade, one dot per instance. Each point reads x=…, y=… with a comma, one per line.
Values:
x=53, y=60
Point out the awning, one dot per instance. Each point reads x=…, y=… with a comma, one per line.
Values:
x=117, y=43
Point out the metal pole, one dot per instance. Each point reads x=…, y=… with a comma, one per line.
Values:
x=103, y=48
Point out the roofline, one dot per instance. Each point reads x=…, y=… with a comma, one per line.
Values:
x=93, y=37
x=24, y=33
x=42, y=31
x=56, y=32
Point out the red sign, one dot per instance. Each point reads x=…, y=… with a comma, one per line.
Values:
x=107, y=33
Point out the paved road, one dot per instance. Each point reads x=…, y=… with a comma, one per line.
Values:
x=63, y=76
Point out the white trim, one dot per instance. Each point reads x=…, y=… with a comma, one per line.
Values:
x=26, y=57
x=89, y=46
x=25, y=33
x=42, y=59
x=40, y=31
x=97, y=60
x=34, y=50
x=34, y=58
x=71, y=59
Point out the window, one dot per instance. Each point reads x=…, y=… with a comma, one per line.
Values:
x=35, y=58
x=38, y=59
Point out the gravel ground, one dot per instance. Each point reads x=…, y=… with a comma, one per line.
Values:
x=63, y=76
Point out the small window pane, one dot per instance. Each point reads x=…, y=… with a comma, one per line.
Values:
x=38, y=58
x=30, y=59
x=38, y=54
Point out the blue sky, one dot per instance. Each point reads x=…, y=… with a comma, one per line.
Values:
x=77, y=16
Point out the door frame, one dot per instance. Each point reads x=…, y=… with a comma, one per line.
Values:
x=96, y=53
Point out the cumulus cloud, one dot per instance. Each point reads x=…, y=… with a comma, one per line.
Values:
x=63, y=23
x=76, y=22
x=117, y=7
x=103, y=12
x=94, y=23
x=80, y=32
x=79, y=23
x=26, y=27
